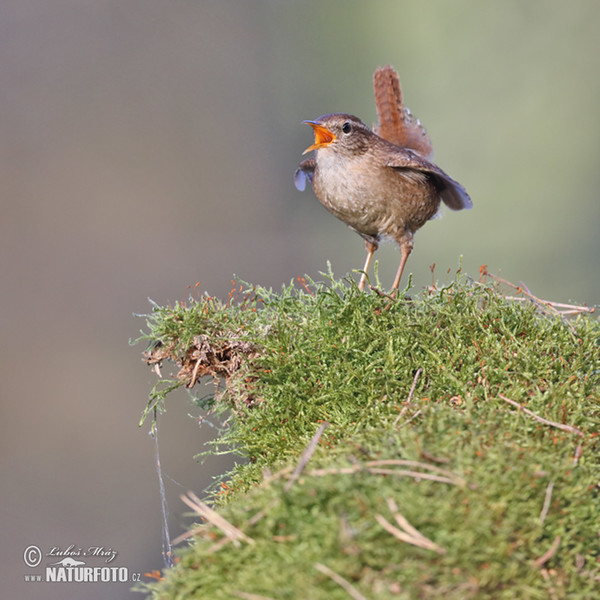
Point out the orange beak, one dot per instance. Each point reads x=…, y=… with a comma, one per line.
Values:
x=323, y=137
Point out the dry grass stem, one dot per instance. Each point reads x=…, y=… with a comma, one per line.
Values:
x=380, y=471
x=568, y=428
x=254, y=519
x=374, y=467
x=377, y=467
x=552, y=308
x=561, y=307
x=402, y=522
x=344, y=583
x=188, y=534
x=382, y=294
x=304, y=459
x=248, y=596
x=231, y=532
x=269, y=477
x=220, y=544
x=577, y=454
x=415, y=474
x=194, y=377
x=547, y=499
x=419, y=412
x=306, y=456
x=407, y=533
x=416, y=464
x=410, y=395
x=544, y=558
x=438, y=459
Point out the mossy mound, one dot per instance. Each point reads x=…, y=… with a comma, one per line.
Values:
x=460, y=457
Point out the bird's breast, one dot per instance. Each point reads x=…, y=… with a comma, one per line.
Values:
x=372, y=198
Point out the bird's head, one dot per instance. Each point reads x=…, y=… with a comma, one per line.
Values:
x=345, y=134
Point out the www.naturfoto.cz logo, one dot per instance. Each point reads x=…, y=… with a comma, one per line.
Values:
x=71, y=568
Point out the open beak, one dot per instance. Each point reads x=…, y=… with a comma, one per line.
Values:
x=323, y=137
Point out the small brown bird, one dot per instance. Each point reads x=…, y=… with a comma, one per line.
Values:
x=379, y=189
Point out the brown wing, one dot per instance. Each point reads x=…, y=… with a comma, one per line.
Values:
x=304, y=172
x=451, y=192
x=396, y=122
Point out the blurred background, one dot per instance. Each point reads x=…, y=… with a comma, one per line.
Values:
x=146, y=146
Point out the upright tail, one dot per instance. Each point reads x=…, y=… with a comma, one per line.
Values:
x=396, y=123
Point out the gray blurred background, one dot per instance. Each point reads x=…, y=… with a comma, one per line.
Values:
x=146, y=146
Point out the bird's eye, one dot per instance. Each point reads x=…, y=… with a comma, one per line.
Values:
x=346, y=127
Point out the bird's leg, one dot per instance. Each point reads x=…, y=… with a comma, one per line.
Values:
x=371, y=247
x=406, y=246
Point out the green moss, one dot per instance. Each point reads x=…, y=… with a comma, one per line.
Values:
x=327, y=352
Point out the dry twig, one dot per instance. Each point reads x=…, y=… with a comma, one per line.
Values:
x=232, y=533
x=377, y=471
x=438, y=459
x=577, y=454
x=547, y=499
x=561, y=307
x=382, y=294
x=414, y=416
x=306, y=456
x=304, y=459
x=568, y=428
x=344, y=583
x=415, y=474
x=554, y=308
x=377, y=467
x=407, y=533
x=410, y=395
x=248, y=596
x=194, y=376
x=417, y=464
x=544, y=558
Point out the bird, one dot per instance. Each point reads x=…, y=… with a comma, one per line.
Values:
x=381, y=188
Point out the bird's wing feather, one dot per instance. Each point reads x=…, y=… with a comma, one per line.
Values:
x=451, y=192
x=304, y=172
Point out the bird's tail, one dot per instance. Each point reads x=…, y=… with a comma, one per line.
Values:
x=396, y=123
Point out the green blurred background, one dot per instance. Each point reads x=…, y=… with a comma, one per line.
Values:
x=146, y=146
